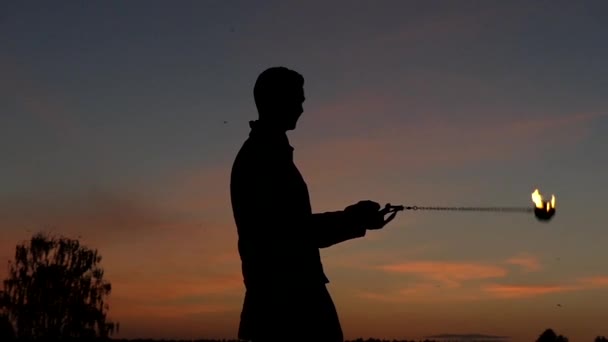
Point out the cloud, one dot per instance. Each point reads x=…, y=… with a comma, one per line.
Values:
x=152, y=246
x=175, y=295
x=528, y=263
x=213, y=321
x=468, y=281
x=523, y=291
x=98, y=219
x=425, y=291
x=355, y=258
x=189, y=202
x=349, y=112
x=179, y=286
x=97, y=214
x=421, y=293
x=140, y=308
x=201, y=189
x=432, y=142
x=419, y=289
x=594, y=282
x=448, y=273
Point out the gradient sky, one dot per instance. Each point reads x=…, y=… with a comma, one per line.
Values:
x=112, y=130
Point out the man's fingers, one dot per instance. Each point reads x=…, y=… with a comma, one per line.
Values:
x=387, y=209
x=391, y=209
x=370, y=205
x=373, y=205
x=390, y=218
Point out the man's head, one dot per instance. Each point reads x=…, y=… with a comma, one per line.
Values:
x=279, y=94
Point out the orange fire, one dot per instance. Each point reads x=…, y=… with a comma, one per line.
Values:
x=537, y=198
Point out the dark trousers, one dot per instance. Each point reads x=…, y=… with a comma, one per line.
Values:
x=296, y=314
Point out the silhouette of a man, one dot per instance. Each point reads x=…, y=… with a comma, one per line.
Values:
x=286, y=297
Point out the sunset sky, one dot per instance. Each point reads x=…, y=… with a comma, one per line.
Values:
x=120, y=120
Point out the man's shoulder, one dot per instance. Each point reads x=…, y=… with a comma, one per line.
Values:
x=248, y=150
x=256, y=150
x=248, y=155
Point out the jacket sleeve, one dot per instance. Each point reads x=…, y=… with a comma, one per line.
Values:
x=334, y=227
x=268, y=206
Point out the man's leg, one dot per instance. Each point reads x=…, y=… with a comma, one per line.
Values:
x=329, y=322
x=296, y=315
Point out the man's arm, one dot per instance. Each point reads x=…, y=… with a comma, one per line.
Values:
x=274, y=220
x=334, y=227
x=278, y=216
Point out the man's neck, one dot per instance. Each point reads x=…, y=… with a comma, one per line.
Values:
x=267, y=127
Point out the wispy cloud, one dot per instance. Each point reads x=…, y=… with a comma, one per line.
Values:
x=188, y=203
x=438, y=143
x=96, y=215
x=153, y=247
x=471, y=281
x=535, y=290
x=419, y=293
x=175, y=295
x=594, y=282
x=122, y=311
x=357, y=259
x=429, y=292
x=202, y=190
x=527, y=262
x=521, y=291
x=178, y=286
x=451, y=274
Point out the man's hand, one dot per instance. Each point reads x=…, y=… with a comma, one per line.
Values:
x=369, y=214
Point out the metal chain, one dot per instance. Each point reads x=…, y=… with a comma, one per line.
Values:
x=501, y=209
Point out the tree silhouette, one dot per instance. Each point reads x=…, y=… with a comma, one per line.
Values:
x=550, y=336
x=55, y=289
x=7, y=333
x=547, y=336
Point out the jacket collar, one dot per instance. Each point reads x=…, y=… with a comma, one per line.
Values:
x=275, y=137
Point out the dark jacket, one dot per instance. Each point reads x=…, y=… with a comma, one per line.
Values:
x=279, y=236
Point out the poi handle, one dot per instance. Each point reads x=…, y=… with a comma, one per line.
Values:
x=392, y=210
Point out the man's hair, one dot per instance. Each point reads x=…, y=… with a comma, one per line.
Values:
x=273, y=85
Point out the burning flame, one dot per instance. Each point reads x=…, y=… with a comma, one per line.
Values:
x=539, y=203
